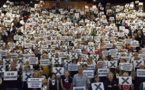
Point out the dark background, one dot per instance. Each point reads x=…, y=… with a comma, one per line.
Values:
x=89, y=1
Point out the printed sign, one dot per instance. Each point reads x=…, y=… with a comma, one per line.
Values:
x=140, y=72
x=103, y=72
x=10, y=75
x=112, y=64
x=89, y=73
x=72, y=67
x=125, y=80
x=79, y=88
x=26, y=76
x=125, y=66
x=35, y=82
x=44, y=62
x=97, y=86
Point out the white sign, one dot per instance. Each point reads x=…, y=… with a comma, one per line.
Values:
x=138, y=62
x=79, y=88
x=89, y=73
x=112, y=64
x=140, y=72
x=26, y=76
x=125, y=80
x=72, y=67
x=35, y=82
x=33, y=60
x=44, y=62
x=91, y=67
x=10, y=75
x=58, y=70
x=125, y=66
x=134, y=44
x=103, y=72
x=97, y=86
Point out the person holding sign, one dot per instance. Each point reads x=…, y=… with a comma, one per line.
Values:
x=53, y=84
x=139, y=80
x=96, y=79
x=35, y=74
x=12, y=84
x=110, y=83
x=126, y=87
x=27, y=70
x=66, y=81
x=80, y=79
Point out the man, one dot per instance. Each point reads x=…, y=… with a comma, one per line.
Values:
x=12, y=84
x=80, y=79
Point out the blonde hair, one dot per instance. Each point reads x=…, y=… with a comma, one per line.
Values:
x=110, y=73
x=37, y=73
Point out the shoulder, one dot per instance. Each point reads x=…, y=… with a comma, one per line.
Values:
x=76, y=75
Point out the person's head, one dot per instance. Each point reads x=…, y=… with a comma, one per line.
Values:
x=27, y=68
x=27, y=62
x=96, y=79
x=41, y=72
x=53, y=76
x=15, y=60
x=13, y=67
x=85, y=67
x=36, y=74
x=80, y=69
x=125, y=74
x=110, y=76
x=141, y=66
x=100, y=65
x=66, y=73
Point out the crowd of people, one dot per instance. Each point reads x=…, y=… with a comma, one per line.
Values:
x=71, y=48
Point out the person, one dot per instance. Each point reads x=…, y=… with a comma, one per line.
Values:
x=110, y=83
x=12, y=84
x=126, y=87
x=141, y=87
x=53, y=84
x=96, y=79
x=80, y=79
x=66, y=81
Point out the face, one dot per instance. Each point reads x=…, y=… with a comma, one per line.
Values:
x=80, y=70
x=27, y=62
x=100, y=65
x=97, y=79
x=110, y=76
x=41, y=72
x=85, y=68
x=66, y=74
x=35, y=75
x=13, y=67
x=53, y=76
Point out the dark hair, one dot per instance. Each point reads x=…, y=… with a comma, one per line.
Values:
x=52, y=75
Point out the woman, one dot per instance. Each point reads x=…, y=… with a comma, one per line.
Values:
x=110, y=83
x=35, y=74
x=53, y=84
x=126, y=87
x=66, y=81
x=96, y=79
x=24, y=83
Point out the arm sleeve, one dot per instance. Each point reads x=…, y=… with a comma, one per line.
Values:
x=88, y=80
x=141, y=86
x=74, y=81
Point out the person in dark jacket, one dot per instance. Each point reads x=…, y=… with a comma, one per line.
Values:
x=66, y=81
x=110, y=83
x=96, y=79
